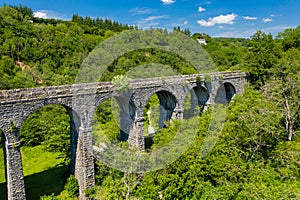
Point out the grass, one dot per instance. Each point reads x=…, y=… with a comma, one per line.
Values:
x=2, y=177
x=45, y=183
x=36, y=159
x=2, y=170
x=44, y=172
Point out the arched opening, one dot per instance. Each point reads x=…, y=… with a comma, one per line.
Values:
x=46, y=155
x=3, y=190
x=113, y=120
x=111, y=123
x=195, y=101
x=158, y=110
x=127, y=115
x=225, y=93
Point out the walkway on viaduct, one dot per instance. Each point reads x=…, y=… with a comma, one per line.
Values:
x=81, y=101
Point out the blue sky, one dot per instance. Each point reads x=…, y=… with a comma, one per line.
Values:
x=218, y=18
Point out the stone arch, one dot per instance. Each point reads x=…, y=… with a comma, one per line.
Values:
x=75, y=123
x=161, y=113
x=4, y=126
x=196, y=100
x=168, y=103
x=127, y=111
x=225, y=93
x=162, y=90
x=122, y=98
x=37, y=105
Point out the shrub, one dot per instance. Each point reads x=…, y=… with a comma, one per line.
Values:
x=72, y=186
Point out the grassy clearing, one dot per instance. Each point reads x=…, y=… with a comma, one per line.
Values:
x=2, y=170
x=2, y=177
x=44, y=172
x=36, y=159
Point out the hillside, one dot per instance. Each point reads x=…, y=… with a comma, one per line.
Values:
x=257, y=152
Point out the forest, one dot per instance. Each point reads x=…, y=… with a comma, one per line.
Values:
x=256, y=155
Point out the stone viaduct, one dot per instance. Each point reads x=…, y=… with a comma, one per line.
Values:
x=81, y=100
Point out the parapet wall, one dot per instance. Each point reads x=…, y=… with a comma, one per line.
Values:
x=85, y=88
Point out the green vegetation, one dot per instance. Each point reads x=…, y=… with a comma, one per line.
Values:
x=72, y=186
x=151, y=114
x=144, y=57
x=248, y=161
x=106, y=122
x=121, y=82
x=2, y=169
x=35, y=52
x=44, y=172
x=49, y=127
x=256, y=155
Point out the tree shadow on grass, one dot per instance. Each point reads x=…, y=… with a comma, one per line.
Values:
x=46, y=182
x=3, y=191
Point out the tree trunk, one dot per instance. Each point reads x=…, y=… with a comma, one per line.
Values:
x=288, y=119
x=127, y=186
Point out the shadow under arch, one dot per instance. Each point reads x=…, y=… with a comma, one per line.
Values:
x=167, y=104
x=61, y=120
x=114, y=114
x=225, y=93
x=159, y=108
x=196, y=100
x=127, y=115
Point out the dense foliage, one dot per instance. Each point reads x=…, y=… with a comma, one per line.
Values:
x=257, y=153
x=38, y=52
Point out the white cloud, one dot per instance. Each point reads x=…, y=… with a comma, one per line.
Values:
x=201, y=9
x=276, y=29
x=152, y=24
x=167, y=2
x=250, y=18
x=266, y=20
x=150, y=21
x=141, y=11
x=247, y=33
x=181, y=23
x=40, y=14
x=207, y=2
x=231, y=34
x=221, y=19
x=221, y=27
x=151, y=18
x=46, y=14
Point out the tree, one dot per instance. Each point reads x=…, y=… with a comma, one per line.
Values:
x=205, y=36
x=284, y=89
x=24, y=11
x=77, y=19
x=290, y=38
x=263, y=55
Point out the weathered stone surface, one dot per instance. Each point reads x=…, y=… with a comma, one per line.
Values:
x=81, y=101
